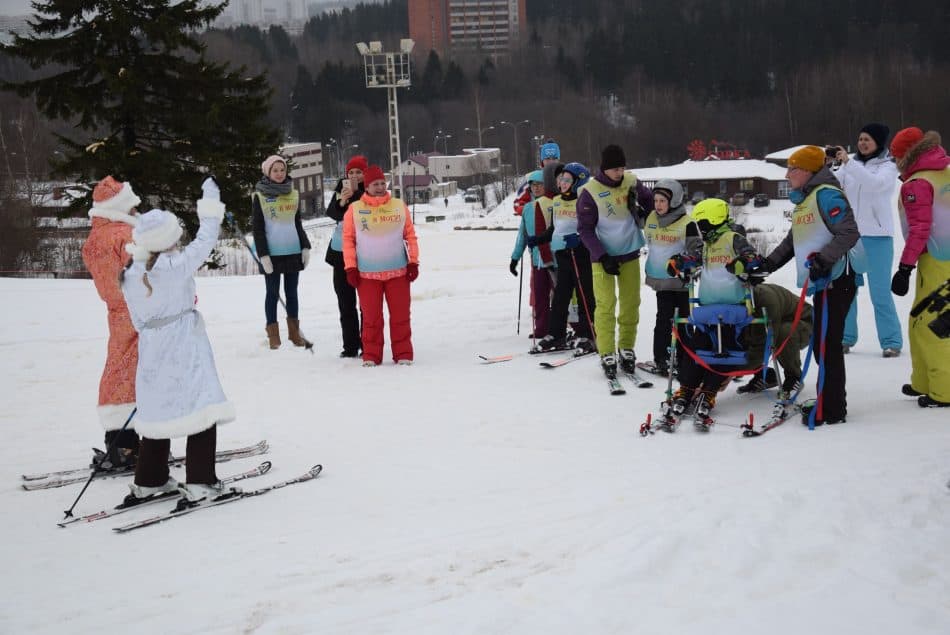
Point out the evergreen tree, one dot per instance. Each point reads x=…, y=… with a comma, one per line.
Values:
x=146, y=104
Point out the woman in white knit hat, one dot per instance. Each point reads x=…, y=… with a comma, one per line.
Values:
x=281, y=244
x=113, y=217
x=179, y=393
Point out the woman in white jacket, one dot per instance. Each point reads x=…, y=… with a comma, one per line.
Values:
x=868, y=179
x=178, y=392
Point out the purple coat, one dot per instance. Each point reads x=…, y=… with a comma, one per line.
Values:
x=587, y=217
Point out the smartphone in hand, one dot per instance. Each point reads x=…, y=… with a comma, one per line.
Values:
x=346, y=185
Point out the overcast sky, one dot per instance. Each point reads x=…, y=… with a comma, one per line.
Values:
x=15, y=7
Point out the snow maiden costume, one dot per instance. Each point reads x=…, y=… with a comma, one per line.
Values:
x=104, y=256
x=178, y=389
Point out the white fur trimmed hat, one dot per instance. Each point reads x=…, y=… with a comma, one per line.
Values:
x=156, y=231
x=112, y=198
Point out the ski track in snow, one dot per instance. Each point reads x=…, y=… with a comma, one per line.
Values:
x=463, y=498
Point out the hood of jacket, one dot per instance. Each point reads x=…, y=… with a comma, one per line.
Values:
x=928, y=154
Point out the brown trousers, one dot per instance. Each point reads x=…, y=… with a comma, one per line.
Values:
x=151, y=470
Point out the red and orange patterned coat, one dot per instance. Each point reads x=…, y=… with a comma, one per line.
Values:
x=105, y=256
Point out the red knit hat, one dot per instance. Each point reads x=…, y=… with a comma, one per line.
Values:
x=373, y=173
x=358, y=162
x=905, y=140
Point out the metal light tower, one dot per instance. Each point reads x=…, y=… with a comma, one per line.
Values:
x=388, y=70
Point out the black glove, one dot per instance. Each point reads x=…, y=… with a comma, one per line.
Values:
x=532, y=241
x=900, y=283
x=818, y=270
x=513, y=268
x=610, y=264
x=572, y=241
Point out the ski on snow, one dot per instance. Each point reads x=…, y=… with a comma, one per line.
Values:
x=563, y=361
x=486, y=359
x=781, y=412
x=63, y=477
x=309, y=475
x=260, y=470
x=637, y=380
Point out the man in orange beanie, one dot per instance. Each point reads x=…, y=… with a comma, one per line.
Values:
x=924, y=211
x=823, y=231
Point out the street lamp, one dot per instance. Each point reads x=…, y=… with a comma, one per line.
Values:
x=445, y=141
x=478, y=132
x=390, y=70
x=514, y=129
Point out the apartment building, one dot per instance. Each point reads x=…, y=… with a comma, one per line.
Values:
x=492, y=26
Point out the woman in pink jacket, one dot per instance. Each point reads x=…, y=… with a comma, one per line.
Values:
x=113, y=217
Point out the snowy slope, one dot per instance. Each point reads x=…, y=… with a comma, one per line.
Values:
x=461, y=498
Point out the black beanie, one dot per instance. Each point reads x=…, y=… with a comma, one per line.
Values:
x=612, y=157
x=879, y=132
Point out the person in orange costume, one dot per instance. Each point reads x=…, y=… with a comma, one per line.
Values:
x=381, y=257
x=113, y=217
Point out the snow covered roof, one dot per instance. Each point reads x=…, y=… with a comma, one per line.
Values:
x=714, y=170
x=782, y=155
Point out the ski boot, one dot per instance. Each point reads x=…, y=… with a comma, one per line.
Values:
x=702, y=405
x=141, y=493
x=584, y=346
x=550, y=343
x=609, y=364
x=193, y=494
x=628, y=361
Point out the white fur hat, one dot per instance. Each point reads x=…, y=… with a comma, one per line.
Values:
x=113, y=199
x=156, y=231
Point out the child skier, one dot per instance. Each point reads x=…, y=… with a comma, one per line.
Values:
x=177, y=383
x=541, y=279
x=573, y=266
x=610, y=212
x=668, y=231
x=549, y=154
x=381, y=257
x=722, y=246
x=113, y=216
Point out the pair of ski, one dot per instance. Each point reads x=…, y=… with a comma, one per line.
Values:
x=668, y=421
x=61, y=478
x=123, y=507
x=507, y=358
x=225, y=499
x=617, y=388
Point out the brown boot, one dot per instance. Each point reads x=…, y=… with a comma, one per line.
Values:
x=293, y=332
x=273, y=335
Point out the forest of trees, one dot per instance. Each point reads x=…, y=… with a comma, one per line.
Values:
x=650, y=75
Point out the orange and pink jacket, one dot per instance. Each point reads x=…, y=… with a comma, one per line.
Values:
x=379, y=238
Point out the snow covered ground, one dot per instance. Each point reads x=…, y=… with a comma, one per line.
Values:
x=462, y=498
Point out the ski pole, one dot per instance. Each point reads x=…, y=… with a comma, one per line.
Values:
x=817, y=411
x=308, y=344
x=520, y=287
x=580, y=287
x=97, y=467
